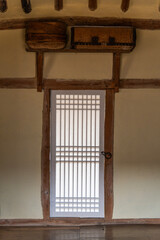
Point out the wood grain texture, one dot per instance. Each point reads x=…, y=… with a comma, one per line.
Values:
x=125, y=5
x=28, y=83
x=116, y=70
x=58, y=5
x=45, y=35
x=45, y=168
x=140, y=83
x=39, y=69
x=114, y=39
x=148, y=24
x=92, y=4
x=108, y=143
x=62, y=84
x=76, y=222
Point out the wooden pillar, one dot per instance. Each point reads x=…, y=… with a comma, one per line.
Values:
x=45, y=168
x=92, y=4
x=125, y=5
x=39, y=67
x=116, y=70
x=109, y=140
x=58, y=5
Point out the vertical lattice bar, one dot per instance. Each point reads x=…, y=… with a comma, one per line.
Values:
x=76, y=154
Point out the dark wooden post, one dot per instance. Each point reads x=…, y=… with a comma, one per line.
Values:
x=26, y=5
x=109, y=138
x=39, y=66
x=58, y=5
x=125, y=5
x=45, y=186
x=116, y=70
x=92, y=4
x=3, y=5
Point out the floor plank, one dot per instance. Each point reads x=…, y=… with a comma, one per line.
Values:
x=114, y=232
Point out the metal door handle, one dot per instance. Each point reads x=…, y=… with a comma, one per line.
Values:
x=107, y=155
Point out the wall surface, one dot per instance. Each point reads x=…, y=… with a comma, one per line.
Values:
x=137, y=154
x=20, y=153
x=137, y=134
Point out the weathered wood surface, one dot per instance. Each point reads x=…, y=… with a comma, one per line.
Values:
x=61, y=84
x=58, y=5
x=39, y=67
x=45, y=35
x=27, y=83
x=125, y=5
x=116, y=70
x=150, y=24
x=57, y=84
x=117, y=39
x=92, y=4
x=108, y=143
x=45, y=168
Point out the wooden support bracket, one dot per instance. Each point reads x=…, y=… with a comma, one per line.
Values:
x=39, y=67
x=92, y=4
x=26, y=5
x=125, y=5
x=116, y=70
x=58, y=5
x=3, y=5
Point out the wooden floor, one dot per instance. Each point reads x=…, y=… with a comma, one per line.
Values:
x=116, y=232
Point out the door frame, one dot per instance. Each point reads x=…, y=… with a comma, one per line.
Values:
x=108, y=166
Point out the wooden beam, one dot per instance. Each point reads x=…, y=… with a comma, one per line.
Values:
x=39, y=67
x=18, y=83
x=108, y=143
x=148, y=24
x=140, y=83
x=26, y=5
x=58, y=5
x=45, y=169
x=57, y=84
x=3, y=5
x=125, y=5
x=92, y=4
x=58, y=223
x=116, y=70
x=62, y=84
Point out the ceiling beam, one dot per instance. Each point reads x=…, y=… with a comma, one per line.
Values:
x=3, y=5
x=58, y=5
x=147, y=24
x=125, y=5
x=92, y=4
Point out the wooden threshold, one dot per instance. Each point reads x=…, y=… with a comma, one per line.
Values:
x=55, y=223
x=150, y=24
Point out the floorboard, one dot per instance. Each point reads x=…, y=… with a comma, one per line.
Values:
x=114, y=232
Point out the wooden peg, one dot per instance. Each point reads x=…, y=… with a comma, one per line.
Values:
x=58, y=5
x=39, y=67
x=116, y=70
x=125, y=5
x=92, y=4
x=26, y=5
x=3, y=5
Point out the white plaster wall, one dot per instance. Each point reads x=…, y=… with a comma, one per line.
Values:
x=20, y=154
x=137, y=154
